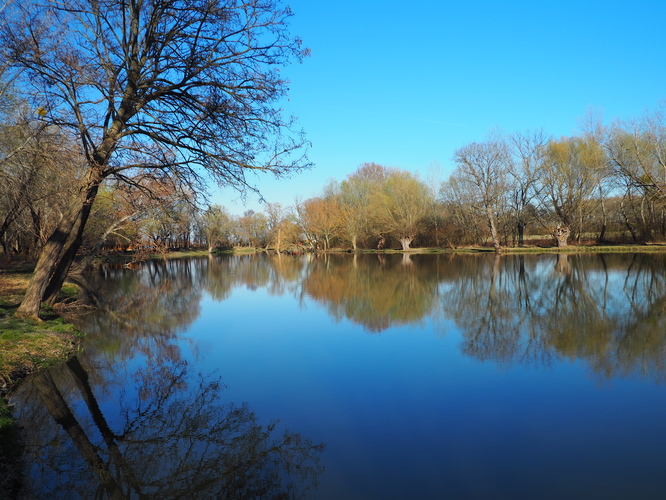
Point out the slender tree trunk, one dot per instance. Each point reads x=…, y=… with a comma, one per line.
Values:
x=38, y=230
x=627, y=223
x=493, y=230
x=604, y=218
x=521, y=234
x=59, y=251
x=9, y=220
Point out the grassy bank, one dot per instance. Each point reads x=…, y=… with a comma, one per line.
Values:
x=27, y=346
x=535, y=249
x=646, y=248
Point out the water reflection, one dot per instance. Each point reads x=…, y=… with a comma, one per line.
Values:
x=130, y=416
x=376, y=291
x=177, y=439
x=607, y=309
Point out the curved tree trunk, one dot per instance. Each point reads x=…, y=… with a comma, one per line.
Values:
x=59, y=251
x=604, y=218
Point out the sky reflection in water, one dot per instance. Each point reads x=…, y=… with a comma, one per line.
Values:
x=424, y=376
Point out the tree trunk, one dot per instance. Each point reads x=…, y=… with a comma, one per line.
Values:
x=561, y=235
x=405, y=242
x=604, y=218
x=627, y=223
x=521, y=234
x=493, y=230
x=59, y=251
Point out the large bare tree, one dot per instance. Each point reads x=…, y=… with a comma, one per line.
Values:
x=528, y=150
x=189, y=88
x=483, y=167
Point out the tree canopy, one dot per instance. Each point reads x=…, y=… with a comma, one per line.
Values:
x=183, y=89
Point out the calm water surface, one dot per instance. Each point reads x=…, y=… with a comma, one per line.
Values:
x=343, y=377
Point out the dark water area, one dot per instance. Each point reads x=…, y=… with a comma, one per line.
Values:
x=360, y=377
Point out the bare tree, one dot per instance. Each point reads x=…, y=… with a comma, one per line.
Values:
x=483, y=167
x=216, y=225
x=636, y=153
x=282, y=230
x=188, y=88
x=528, y=150
x=37, y=172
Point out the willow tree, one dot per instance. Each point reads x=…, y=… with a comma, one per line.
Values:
x=571, y=173
x=357, y=212
x=187, y=88
x=401, y=206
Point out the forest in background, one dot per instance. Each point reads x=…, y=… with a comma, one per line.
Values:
x=605, y=185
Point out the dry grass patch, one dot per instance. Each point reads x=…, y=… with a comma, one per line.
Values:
x=12, y=287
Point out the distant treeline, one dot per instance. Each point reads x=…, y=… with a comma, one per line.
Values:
x=607, y=184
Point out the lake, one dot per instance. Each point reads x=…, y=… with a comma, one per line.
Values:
x=360, y=377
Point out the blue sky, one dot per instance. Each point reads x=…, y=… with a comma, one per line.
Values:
x=405, y=84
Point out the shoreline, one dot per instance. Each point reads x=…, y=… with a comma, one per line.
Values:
x=28, y=346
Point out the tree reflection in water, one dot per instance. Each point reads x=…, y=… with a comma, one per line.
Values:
x=174, y=441
x=376, y=291
x=608, y=310
x=162, y=432
x=142, y=424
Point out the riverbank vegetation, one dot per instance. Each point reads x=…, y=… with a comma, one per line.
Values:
x=510, y=191
x=28, y=345
x=106, y=151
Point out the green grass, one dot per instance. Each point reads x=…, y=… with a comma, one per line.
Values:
x=5, y=415
x=27, y=345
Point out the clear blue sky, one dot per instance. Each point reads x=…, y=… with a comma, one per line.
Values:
x=405, y=84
